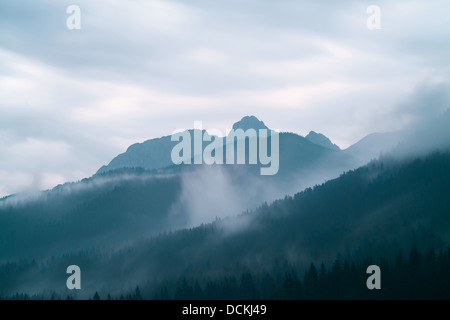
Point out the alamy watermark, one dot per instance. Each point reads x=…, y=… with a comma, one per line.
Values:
x=374, y=20
x=73, y=22
x=235, y=140
x=374, y=281
x=74, y=280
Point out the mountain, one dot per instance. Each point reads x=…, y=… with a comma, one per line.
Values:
x=378, y=210
x=142, y=193
x=105, y=210
x=373, y=145
x=137, y=197
x=298, y=155
x=140, y=223
x=249, y=122
x=417, y=139
x=156, y=153
x=321, y=140
x=151, y=154
x=302, y=163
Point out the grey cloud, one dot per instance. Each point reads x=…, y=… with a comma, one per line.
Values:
x=232, y=54
x=428, y=100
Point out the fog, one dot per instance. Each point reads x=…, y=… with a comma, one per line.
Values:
x=427, y=135
x=121, y=238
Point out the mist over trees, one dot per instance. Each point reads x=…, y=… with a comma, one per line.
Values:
x=368, y=214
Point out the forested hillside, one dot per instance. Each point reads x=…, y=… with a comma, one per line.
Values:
x=372, y=213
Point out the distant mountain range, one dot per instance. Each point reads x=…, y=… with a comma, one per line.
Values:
x=155, y=153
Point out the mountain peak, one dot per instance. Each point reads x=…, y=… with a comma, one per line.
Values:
x=321, y=140
x=249, y=122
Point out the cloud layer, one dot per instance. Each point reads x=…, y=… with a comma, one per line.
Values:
x=70, y=100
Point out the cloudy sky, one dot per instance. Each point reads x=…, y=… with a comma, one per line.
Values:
x=71, y=100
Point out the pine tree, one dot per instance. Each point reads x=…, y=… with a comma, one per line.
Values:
x=137, y=294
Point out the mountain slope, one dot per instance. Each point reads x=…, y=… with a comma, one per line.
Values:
x=121, y=205
x=420, y=138
x=103, y=211
x=151, y=154
x=371, y=146
x=377, y=210
x=321, y=140
x=118, y=205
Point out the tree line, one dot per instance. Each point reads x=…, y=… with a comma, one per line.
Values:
x=413, y=276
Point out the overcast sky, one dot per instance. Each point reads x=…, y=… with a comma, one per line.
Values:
x=71, y=100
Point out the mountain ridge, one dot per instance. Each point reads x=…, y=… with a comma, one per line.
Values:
x=155, y=153
x=321, y=140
